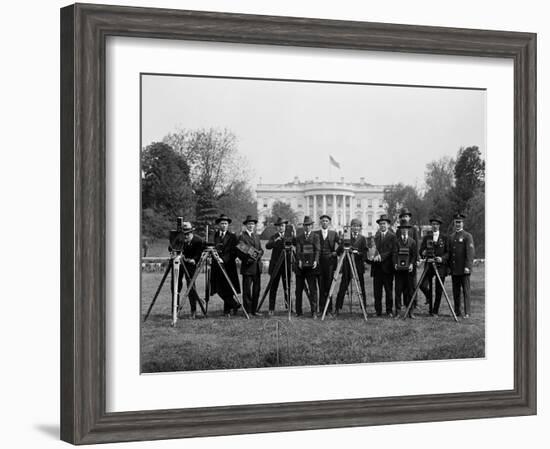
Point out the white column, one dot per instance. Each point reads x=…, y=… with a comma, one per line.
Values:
x=345, y=221
x=351, y=208
x=335, y=213
x=324, y=205
x=307, y=205
x=314, y=206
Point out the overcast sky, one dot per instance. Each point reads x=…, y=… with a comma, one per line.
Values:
x=386, y=134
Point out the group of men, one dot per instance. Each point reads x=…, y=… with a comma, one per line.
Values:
x=312, y=256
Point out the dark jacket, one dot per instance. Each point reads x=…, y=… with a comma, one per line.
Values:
x=301, y=241
x=461, y=252
x=385, y=248
x=250, y=267
x=226, y=248
x=193, y=250
x=441, y=249
x=276, y=247
x=358, y=244
x=409, y=243
x=333, y=240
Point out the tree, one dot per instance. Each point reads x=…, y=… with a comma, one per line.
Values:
x=400, y=195
x=238, y=202
x=439, y=178
x=469, y=175
x=283, y=210
x=166, y=190
x=475, y=220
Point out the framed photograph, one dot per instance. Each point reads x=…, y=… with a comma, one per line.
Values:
x=274, y=223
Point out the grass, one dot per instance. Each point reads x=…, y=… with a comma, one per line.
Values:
x=217, y=342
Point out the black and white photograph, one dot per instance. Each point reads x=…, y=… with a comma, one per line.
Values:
x=302, y=222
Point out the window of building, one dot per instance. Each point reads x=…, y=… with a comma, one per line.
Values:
x=358, y=204
x=369, y=219
x=265, y=205
x=369, y=202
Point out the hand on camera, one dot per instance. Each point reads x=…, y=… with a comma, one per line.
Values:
x=438, y=259
x=377, y=258
x=466, y=271
x=411, y=268
x=314, y=265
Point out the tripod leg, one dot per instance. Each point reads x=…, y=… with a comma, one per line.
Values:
x=424, y=272
x=193, y=280
x=286, y=286
x=355, y=276
x=235, y=294
x=333, y=284
x=207, y=279
x=175, y=293
x=451, y=308
x=271, y=279
x=168, y=270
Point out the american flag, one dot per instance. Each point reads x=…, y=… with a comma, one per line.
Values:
x=333, y=161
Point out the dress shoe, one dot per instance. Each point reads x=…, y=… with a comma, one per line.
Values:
x=193, y=315
x=390, y=315
x=467, y=315
x=412, y=316
x=258, y=314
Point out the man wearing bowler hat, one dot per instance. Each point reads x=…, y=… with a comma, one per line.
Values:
x=328, y=241
x=225, y=242
x=406, y=215
x=307, y=257
x=359, y=250
x=382, y=270
x=251, y=269
x=461, y=258
x=404, y=276
x=441, y=256
x=276, y=244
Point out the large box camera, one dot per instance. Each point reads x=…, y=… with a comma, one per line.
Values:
x=248, y=251
x=346, y=238
x=176, y=236
x=372, y=251
x=307, y=256
x=403, y=259
x=430, y=250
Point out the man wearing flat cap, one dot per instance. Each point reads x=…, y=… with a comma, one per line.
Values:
x=441, y=256
x=193, y=246
x=461, y=258
x=276, y=244
x=251, y=269
x=328, y=241
x=225, y=242
x=359, y=250
x=307, y=262
x=382, y=270
x=404, y=277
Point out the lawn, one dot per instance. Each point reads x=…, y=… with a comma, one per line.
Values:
x=218, y=342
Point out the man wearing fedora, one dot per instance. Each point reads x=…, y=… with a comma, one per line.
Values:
x=193, y=246
x=225, y=242
x=359, y=250
x=461, y=258
x=276, y=244
x=251, y=269
x=328, y=241
x=382, y=270
x=307, y=243
x=404, y=278
x=441, y=256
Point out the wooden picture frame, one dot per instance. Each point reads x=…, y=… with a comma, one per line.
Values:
x=84, y=29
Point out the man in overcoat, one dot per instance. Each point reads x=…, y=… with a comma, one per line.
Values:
x=441, y=256
x=461, y=259
x=404, y=276
x=382, y=270
x=307, y=242
x=251, y=269
x=276, y=244
x=328, y=241
x=225, y=243
x=358, y=250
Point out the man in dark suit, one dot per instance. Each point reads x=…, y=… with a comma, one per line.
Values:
x=328, y=241
x=193, y=246
x=404, y=272
x=461, y=258
x=225, y=242
x=251, y=269
x=441, y=255
x=307, y=252
x=276, y=244
x=382, y=266
x=359, y=250
x=413, y=232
